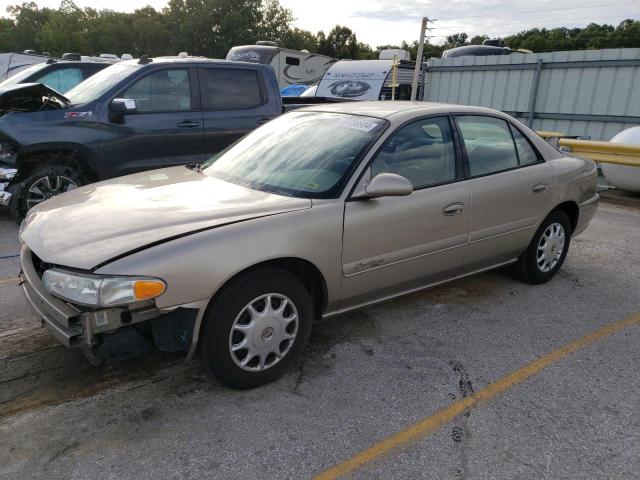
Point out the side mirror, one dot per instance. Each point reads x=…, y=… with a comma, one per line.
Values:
x=386, y=185
x=122, y=106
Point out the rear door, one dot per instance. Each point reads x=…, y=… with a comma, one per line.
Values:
x=235, y=100
x=167, y=128
x=511, y=188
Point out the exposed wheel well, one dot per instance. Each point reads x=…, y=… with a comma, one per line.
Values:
x=27, y=163
x=572, y=211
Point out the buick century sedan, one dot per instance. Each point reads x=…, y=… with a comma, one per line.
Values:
x=318, y=212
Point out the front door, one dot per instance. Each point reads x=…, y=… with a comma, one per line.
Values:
x=167, y=128
x=396, y=244
x=511, y=188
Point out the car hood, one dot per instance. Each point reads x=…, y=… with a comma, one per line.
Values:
x=28, y=96
x=91, y=225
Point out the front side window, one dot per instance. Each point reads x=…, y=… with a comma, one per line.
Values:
x=488, y=143
x=229, y=89
x=162, y=91
x=423, y=152
x=300, y=154
x=63, y=79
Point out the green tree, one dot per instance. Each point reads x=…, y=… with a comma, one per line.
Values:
x=340, y=43
x=7, y=35
x=64, y=30
x=29, y=21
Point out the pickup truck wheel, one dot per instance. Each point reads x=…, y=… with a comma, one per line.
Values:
x=256, y=327
x=547, y=250
x=41, y=184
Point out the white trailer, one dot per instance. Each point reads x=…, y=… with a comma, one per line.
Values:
x=292, y=66
x=369, y=80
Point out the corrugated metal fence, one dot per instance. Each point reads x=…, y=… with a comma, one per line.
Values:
x=593, y=94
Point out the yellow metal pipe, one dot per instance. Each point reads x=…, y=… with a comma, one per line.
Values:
x=604, y=152
x=545, y=134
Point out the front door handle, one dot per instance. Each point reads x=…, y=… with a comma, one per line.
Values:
x=188, y=124
x=262, y=121
x=453, y=209
x=539, y=188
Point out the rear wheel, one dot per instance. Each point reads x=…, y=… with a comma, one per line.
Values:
x=257, y=326
x=40, y=185
x=547, y=250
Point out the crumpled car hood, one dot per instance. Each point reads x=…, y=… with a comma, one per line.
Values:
x=91, y=225
x=28, y=97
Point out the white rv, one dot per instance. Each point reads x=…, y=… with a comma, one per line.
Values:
x=292, y=66
x=371, y=79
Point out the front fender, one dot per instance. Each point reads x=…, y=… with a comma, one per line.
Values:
x=196, y=266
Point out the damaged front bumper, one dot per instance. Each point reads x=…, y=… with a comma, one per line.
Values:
x=172, y=329
x=6, y=175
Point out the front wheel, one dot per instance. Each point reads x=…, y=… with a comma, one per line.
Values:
x=547, y=250
x=257, y=326
x=40, y=185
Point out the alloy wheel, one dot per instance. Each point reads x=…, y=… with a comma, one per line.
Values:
x=47, y=187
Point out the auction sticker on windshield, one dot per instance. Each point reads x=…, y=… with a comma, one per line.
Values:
x=364, y=125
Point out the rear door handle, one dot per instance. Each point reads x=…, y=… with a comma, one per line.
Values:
x=188, y=124
x=453, y=209
x=539, y=188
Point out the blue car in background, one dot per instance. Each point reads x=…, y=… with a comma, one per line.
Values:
x=294, y=90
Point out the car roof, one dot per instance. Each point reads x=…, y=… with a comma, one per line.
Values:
x=193, y=60
x=388, y=109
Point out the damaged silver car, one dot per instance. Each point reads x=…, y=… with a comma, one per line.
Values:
x=318, y=212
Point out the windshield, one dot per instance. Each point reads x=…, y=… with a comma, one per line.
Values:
x=21, y=75
x=301, y=154
x=96, y=85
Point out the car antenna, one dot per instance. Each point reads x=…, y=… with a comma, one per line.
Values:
x=144, y=60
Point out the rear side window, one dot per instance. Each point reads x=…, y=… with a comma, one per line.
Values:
x=162, y=91
x=62, y=80
x=488, y=143
x=526, y=154
x=229, y=89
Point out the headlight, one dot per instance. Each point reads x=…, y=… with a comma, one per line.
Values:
x=96, y=290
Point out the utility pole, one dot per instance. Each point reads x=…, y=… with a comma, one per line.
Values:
x=416, y=71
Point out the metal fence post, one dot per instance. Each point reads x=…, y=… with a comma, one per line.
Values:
x=533, y=95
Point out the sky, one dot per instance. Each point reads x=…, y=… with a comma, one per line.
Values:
x=381, y=22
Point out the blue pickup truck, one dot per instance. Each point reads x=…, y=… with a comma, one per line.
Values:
x=132, y=116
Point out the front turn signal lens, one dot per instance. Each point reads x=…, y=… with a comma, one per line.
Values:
x=148, y=289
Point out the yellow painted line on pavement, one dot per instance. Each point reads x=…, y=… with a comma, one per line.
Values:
x=431, y=424
x=9, y=281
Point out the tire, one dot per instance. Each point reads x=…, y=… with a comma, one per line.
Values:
x=540, y=262
x=229, y=322
x=59, y=178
